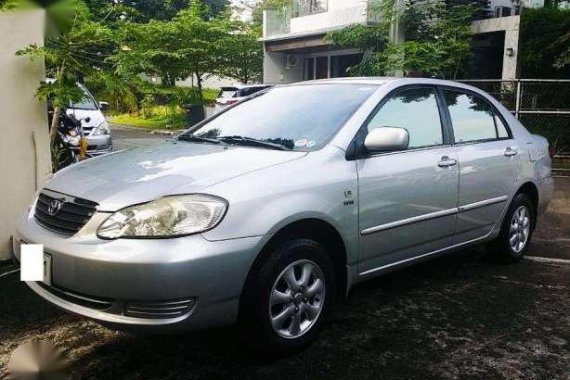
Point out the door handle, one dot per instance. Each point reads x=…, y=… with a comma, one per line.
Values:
x=447, y=162
x=510, y=152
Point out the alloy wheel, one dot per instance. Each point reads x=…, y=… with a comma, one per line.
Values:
x=519, y=230
x=297, y=299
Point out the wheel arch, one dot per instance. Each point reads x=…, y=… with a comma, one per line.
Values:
x=531, y=190
x=311, y=227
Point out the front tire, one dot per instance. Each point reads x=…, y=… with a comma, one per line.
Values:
x=288, y=297
x=516, y=232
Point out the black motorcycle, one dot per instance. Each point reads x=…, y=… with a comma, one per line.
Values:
x=69, y=146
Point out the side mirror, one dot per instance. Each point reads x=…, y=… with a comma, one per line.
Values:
x=387, y=139
x=104, y=106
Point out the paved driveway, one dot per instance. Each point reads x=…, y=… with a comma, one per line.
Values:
x=128, y=137
x=458, y=317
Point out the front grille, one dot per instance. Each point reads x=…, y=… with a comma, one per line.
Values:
x=159, y=310
x=91, y=302
x=73, y=214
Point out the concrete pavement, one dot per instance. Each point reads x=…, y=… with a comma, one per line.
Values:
x=128, y=137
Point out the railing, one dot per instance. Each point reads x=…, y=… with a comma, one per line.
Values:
x=302, y=8
x=542, y=105
x=305, y=16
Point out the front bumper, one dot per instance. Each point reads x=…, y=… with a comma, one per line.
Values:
x=99, y=145
x=123, y=272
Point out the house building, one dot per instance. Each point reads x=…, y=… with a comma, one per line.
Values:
x=295, y=49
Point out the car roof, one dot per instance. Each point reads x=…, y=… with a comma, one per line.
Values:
x=385, y=80
x=394, y=80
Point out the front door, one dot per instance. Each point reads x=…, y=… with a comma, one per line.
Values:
x=407, y=199
x=488, y=161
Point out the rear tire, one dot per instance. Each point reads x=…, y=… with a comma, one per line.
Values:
x=516, y=232
x=288, y=297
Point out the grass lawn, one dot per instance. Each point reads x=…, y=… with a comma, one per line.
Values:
x=162, y=117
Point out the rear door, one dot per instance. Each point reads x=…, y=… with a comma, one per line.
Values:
x=407, y=199
x=488, y=162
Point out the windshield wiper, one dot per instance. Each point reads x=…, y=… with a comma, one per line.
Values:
x=252, y=142
x=194, y=138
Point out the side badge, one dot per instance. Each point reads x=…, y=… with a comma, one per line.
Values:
x=348, y=195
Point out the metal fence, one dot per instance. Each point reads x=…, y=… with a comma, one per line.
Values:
x=542, y=105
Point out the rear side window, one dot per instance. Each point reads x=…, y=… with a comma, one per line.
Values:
x=473, y=118
x=501, y=129
x=249, y=91
x=415, y=110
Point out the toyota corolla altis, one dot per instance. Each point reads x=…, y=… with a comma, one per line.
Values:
x=268, y=211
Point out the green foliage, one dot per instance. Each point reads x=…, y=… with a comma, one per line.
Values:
x=545, y=43
x=71, y=53
x=438, y=40
x=155, y=117
x=121, y=92
x=189, y=45
x=241, y=54
x=10, y=5
x=146, y=10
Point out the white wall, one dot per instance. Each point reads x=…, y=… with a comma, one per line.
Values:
x=510, y=25
x=275, y=72
x=24, y=142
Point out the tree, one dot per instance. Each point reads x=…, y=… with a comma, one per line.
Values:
x=187, y=45
x=241, y=53
x=70, y=54
x=545, y=43
x=147, y=10
x=438, y=40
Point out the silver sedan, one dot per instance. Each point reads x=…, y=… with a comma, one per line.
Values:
x=267, y=212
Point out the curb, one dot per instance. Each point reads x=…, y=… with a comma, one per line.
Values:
x=162, y=132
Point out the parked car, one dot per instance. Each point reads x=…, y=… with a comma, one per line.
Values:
x=232, y=94
x=267, y=212
x=95, y=127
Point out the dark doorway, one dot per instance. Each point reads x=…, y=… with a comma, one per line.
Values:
x=322, y=67
x=487, y=58
x=341, y=63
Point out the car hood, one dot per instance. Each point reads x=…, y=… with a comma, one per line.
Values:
x=172, y=167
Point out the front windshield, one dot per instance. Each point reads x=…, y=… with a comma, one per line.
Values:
x=300, y=118
x=87, y=103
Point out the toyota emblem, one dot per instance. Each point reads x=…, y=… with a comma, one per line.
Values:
x=55, y=207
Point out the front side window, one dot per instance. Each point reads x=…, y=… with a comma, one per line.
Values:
x=471, y=116
x=416, y=111
x=300, y=118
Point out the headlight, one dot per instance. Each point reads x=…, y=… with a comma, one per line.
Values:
x=165, y=217
x=102, y=129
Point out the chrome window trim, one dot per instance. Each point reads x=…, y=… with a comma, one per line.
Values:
x=433, y=215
